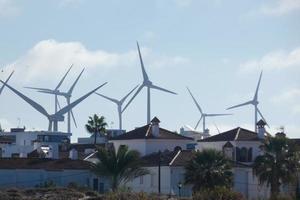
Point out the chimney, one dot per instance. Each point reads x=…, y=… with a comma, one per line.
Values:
x=261, y=129
x=73, y=154
x=155, y=126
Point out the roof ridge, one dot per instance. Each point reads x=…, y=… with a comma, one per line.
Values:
x=177, y=154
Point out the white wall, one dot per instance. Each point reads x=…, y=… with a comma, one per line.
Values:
x=138, y=145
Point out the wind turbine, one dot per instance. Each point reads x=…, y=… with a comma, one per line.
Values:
x=57, y=116
x=203, y=115
x=67, y=95
x=148, y=84
x=56, y=89
x=119, y=104
x=1, y=89
x=255, y=103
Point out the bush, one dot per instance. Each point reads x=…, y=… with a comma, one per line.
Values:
x=282, y=197
x=218, y=193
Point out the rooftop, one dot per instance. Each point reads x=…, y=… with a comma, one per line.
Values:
x=145, y=132
x=237, y=134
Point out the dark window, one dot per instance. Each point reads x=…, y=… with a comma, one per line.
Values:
x=243, y=154
x=250, y=154
x=95, y=184
x=237, y=153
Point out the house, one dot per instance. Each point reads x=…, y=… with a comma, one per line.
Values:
x=166, y=173
x=241, y=146
x=19, y=143
x=151, y=138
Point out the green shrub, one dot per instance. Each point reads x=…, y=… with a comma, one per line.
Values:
x=282, y=197
x=218, y=193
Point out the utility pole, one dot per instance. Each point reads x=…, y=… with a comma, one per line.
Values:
x=159, y=165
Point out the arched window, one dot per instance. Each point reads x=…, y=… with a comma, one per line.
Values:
x=237, y=153
x=250, y=154
x=243, y=154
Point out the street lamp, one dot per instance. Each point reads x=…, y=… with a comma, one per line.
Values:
x=179, y=185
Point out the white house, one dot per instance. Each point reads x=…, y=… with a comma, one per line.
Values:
x=170, y=179
x=151, y=138
x=19, y=143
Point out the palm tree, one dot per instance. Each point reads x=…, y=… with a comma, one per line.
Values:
x=278, y=165
x=208, y=169
x=1, y=130
x=121, y=166
x=96, y=125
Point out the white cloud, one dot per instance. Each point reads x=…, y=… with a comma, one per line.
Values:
x=291, y=98
x=52, y=57
x=276, y=60
x=281, y=7
x=8, y=8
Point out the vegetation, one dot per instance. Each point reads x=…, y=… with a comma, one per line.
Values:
x=218, y=193
x=96, y=125
x=120, y=167
x=207, y=170
x=278, y=165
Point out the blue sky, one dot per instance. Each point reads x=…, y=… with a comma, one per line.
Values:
x=215, y=47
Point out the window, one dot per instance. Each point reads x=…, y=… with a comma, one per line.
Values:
x=243, y=154
x=250, y=154
x=101, y=188
x=95, y=184
x=141, y=179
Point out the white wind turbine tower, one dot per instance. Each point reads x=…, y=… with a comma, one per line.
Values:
x=255, y=103
x=148, y=84
x=203, y=115
x=57, y=116
x=67, y=95
x=119, y=104
x=1, y=89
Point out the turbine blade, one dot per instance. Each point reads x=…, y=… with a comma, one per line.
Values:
x=136, y=93
x=37, y=88
x=73, y=104
x=63, y=78
x=72, y=87
x=108, y=98
x=198, y=122
x=215, y=115
x=239, y=105
x=47, y=92
x=257, y=87
x=262, y=117
x=198, y=106
x=124, y=98
x=73, y=117
x=162, y=89
x=1, y=89
x=145, y=76
x=35, y=105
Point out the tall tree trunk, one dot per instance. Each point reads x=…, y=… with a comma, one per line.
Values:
x=275, y=189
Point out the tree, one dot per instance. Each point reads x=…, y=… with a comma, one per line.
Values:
x=121, y=166
x=208, y=169
x=96, y=125
x=278, y=165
